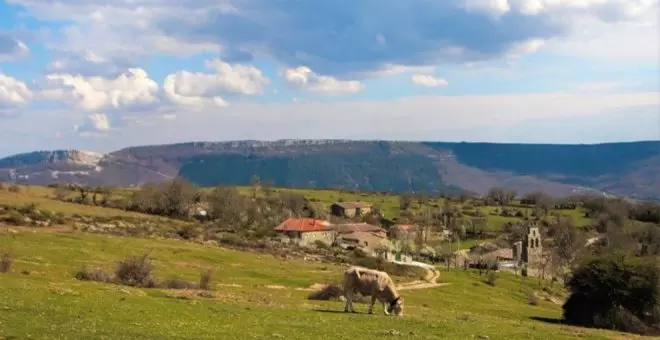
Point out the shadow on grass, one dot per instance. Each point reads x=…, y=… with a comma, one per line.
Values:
x=548, y=320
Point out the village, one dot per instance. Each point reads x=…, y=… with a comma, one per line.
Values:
x=393, y=245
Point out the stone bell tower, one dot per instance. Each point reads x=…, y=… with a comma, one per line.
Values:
x=532, y=249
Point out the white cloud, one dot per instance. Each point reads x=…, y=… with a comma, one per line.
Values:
x=403, y=33
x=513, y=118
x=13, y=93
x=132, y=88
x=393, y=69
x=95, y=124
x=631, y=41
x=12, y=49
x=207, y=89
x=603, y=9
x=303, y=78
x=428, y=80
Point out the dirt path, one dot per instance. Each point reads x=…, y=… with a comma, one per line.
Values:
x=430, y=281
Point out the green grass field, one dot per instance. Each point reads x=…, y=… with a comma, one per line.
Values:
x=49, y=303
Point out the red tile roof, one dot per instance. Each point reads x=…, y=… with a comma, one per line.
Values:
x=304, y=225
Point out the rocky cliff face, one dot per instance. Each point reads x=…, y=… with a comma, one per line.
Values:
x=627, y=169
x=46, y=167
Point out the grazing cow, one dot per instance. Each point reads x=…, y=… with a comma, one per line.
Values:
x=372, y=283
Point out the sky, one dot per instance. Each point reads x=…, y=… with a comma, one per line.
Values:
x=102, y=75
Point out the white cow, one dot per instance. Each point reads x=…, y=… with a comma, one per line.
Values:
x=372, y=283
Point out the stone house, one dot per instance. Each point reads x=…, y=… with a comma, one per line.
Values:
x=406, y=231
x=347, y=228
x=367, y=241
x=306, y=231
x=351, y=209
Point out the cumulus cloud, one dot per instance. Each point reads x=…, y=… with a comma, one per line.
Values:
x=332, y=38
x=206, y=89
x=89, y=64
x=428, y=80
x=11, y=48
x=13, y=94
x=131, y=89
x=303, y=78
x=95, y=124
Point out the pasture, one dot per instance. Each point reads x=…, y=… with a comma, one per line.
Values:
x=254, y=296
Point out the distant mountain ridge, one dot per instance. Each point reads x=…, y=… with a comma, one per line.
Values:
x=629, y=169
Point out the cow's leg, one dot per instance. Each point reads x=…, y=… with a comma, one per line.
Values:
x=371, y=305
x=349, y=301
x=385, y=305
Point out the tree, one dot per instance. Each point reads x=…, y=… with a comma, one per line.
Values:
x=501, y=196
x=172, y=198
x=384, y=247
x=405, y=201
x=567, y=243
x=615, y=291
x=226, y=205
x=255, y=183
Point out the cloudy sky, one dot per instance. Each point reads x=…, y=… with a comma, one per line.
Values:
x=104, y=74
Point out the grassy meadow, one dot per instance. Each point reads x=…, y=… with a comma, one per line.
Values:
x=254, y=297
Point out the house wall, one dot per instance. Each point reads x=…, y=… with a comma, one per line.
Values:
x=308, y=238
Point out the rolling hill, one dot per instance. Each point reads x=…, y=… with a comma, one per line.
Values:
x=627, y=169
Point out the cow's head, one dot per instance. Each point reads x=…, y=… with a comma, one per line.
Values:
x=396, y=306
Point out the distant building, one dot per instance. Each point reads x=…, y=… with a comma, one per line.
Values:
x=409, y=231
x=529, y=251
x=351, y=209
x=364, y=240
x=348, y=228
x=306, y=231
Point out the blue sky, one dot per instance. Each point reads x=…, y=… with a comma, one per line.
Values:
x=101, y=74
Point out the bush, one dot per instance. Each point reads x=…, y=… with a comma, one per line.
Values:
x=93, y=274
x=177, y=283
x=136, y=271
x=533, y=300
x=14, y=217
x=616, y=292
x=14, y=188
x=329, y=292
x=205, y=280
x=6, y=262
x=491, y=279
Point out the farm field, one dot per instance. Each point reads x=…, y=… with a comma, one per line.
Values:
x=254, y=297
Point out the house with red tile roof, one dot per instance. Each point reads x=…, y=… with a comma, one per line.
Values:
x=306, y=231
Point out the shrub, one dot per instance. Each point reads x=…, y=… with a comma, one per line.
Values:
x=14, y=188
x=3, y=186
x=321, y=245
x=533, y=300
x=189, y=232
x=136, y=271
x=6, y=262
x=329, y=292
x=205, y=280
x=93, y=274
x=491, y=279
x=176, y=283
x=14, y=217
x=616, y=292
